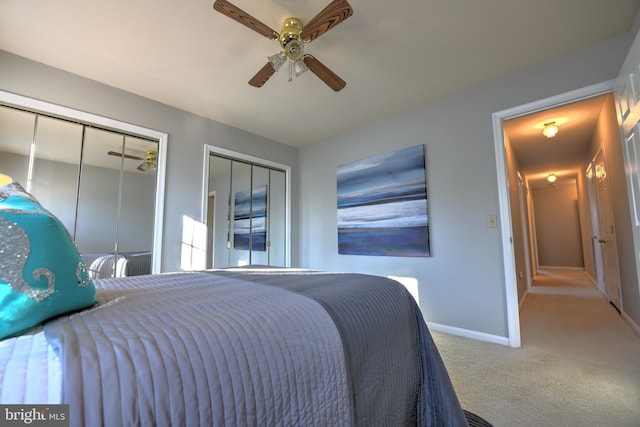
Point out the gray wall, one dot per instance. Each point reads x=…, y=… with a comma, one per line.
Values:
x=557, y=223
x=462, y=285
x=188, y=134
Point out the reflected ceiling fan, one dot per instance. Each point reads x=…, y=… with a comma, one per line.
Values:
x=149, y=159
x=292, y=39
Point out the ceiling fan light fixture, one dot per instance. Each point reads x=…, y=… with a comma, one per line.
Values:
x=277, y=60
x=550, y=129
x=145, y=167
x=300, y=67
x=294, y=50
x=150, y=163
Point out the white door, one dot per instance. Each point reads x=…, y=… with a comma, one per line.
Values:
x=598, y=257
x=627, y=92
x=606, y=231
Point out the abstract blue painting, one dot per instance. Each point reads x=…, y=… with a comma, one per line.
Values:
x=249, y=220
x=382, y=205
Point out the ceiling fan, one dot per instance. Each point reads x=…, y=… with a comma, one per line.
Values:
x=149, y=159
x=293, y=38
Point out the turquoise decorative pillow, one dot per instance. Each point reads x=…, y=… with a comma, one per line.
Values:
x=41, y=272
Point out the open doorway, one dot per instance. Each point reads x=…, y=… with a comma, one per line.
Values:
x=521, y=125
x=564, y=200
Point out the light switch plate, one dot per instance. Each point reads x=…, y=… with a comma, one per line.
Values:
x=492, y=221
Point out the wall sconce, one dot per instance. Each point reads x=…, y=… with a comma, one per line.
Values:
x=551, y=178
x=550, y=129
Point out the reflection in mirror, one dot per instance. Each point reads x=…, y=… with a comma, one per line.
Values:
x=53, y=173
x=45, y=159
x=277, y=215
x=218, y=212
x=240, y=211
x=246, y=214
x=135, y=231
x=100, y=183
x=116, y=203
x=16, y=135
x=97, y=220
x=258, y=216
x=116, y=198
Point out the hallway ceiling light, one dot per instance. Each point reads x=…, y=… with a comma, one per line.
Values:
x=550, y=129
x=552, y=178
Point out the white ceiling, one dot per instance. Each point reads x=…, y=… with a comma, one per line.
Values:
x=393, y=55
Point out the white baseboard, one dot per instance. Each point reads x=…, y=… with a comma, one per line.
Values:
x=466, y=333
x=633, y=325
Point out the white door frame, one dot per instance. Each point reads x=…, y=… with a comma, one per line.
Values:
x=506, y=229
x=524, y=223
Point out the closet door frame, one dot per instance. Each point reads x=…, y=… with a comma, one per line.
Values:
x=234, y=155
x=92, y=119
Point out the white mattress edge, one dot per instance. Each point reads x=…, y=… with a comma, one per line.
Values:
x=30, y=371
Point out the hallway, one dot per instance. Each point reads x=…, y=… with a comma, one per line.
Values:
x=563, y=281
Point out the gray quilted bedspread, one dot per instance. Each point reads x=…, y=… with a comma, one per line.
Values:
x=252, y=348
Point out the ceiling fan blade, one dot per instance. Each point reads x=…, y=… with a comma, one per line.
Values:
x=329, y=17
x=263, y=75
x=244, y=18
x=126, y=156
x=326, y=75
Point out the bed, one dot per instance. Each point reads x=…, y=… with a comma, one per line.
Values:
x=123, y=264
x=235, y=347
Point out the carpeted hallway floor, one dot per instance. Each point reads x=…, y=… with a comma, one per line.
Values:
x=579, y=365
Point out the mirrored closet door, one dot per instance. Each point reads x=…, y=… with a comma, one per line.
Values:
x=99, y=182
x=246, y=213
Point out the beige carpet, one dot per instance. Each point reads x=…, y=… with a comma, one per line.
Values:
x=579, y=365
x=563, y=278
x=563, y=281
